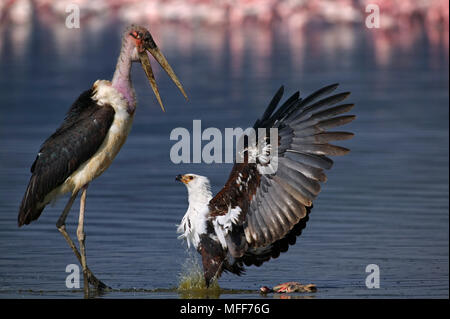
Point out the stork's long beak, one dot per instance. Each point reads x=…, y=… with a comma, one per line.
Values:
x=145, y=61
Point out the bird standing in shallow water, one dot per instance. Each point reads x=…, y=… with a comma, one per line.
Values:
x=267, y=199
x=86, y=143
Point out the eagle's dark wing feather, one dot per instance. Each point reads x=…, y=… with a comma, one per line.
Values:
x=275, y=207
x=75, y=141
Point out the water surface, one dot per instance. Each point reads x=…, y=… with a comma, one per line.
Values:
x=386, y=203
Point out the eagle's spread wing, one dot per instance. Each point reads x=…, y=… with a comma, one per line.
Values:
x=275, y=205
x=75, y=141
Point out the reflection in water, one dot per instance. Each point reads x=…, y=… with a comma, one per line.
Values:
x=255, y=43
x=156, y=292
x=19, y=39
x=293, y=296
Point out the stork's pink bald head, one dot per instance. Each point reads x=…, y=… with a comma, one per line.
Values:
x=137, y=43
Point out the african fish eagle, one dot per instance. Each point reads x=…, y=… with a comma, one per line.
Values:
x=259, y=212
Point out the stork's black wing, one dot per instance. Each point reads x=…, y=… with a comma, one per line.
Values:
x=75, y=141
x=275, y=206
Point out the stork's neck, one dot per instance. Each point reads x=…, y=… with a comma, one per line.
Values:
x=122, y=76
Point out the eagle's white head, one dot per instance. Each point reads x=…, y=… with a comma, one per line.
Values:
x=199, y=188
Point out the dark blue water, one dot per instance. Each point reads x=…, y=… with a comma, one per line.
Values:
x=386, y=203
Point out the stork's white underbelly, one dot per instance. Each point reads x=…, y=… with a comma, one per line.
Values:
x=104, y=156
x=113, y=142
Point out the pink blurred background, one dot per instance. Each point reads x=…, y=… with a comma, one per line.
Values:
x=402, y=22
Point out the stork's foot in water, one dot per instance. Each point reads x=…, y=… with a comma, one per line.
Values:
x=289, y=287
x=98, y=284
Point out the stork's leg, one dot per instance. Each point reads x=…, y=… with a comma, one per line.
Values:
x=81, y=235
x=61, y=225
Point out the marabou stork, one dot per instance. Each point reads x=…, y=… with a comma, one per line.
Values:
x=260, y=212
x=91, y=135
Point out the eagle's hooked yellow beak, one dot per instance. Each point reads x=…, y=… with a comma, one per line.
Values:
x=184, y=178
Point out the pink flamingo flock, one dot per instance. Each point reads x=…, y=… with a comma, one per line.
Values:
x=394, y=13
x=401, y=23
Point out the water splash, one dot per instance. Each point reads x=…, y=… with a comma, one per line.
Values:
x=191, y=282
